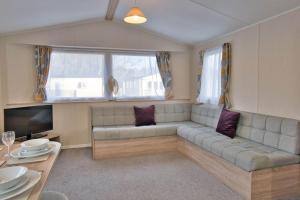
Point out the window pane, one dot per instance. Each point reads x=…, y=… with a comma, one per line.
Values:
x=210, y=90
x=137, y=76
x=75, y=75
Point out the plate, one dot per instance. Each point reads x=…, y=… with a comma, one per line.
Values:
x=34, y=178
x=24, y=152
x=24, y=181
x=11, y=176
x=17, y=153
x=35, y=144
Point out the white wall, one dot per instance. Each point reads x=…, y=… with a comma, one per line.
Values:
x=93, y=35
x=265, y=68
x=72, y=120
x=19, y=74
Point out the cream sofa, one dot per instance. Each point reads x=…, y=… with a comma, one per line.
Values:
x=118, y=122
x=262, y=142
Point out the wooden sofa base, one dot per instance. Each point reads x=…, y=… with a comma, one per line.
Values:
x=232, y=176
x=267, y=184
x=129, y=147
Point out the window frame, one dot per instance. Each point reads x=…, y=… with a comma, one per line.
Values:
x=108, y=71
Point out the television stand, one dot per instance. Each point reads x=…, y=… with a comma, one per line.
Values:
x=39, y=135
x=53, y=137
x=50, y=136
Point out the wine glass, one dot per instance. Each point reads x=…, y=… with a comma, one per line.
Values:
x=8, y=138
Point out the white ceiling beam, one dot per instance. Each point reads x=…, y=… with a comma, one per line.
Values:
x=111, y=9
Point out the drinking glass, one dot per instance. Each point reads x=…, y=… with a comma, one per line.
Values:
x=8, y=138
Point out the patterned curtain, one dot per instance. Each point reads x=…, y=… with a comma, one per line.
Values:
x=225, y=75
x=163, y=62
x=42, y=63
x=199, y=73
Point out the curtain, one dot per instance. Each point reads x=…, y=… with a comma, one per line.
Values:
x=225, y=75
x=163, y=62
x=199, y=72
x=210, y=86
x=42, y=63
x=113, y=86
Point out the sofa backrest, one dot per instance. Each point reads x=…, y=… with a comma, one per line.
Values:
x=124, y=115
x=280, y=133
x=205, y=114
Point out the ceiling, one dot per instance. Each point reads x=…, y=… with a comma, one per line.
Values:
x=187, y=21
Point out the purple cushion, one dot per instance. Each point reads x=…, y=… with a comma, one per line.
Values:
x=144, y=116
x=228, y=123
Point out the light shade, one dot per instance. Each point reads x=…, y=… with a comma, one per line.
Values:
x=135, y=16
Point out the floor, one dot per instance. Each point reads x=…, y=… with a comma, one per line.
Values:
x=167, y=176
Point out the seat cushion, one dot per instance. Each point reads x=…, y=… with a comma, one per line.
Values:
x=191, y=133
x=249, y=155
x=122, y=132
x=206, y=143
x=131, y=131
x=241, y=152
x=190, y=124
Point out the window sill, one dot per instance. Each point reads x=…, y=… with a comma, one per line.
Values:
x=81, y=100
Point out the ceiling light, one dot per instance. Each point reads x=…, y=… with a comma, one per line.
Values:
x=135, y=16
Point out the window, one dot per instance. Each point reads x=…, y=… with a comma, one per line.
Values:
x=210, y=91
x=140, y=71
x=74, y=75
x=83, y=74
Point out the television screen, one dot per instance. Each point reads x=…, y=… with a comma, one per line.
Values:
x=28, y=120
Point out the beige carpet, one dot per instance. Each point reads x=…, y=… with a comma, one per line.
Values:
x=168, y=176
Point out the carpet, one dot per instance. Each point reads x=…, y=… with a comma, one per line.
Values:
x=166, y=176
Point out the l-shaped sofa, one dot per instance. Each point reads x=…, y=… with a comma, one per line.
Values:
x=261, y=162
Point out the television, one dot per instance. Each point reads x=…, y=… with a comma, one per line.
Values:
x=28, y=121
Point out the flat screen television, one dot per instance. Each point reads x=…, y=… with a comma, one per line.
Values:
x=26, y=121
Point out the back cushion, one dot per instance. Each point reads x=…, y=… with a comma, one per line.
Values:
x=205, y=114
x=280, y=133
x=172, y=112
x=113, y=115
x=124, y=115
